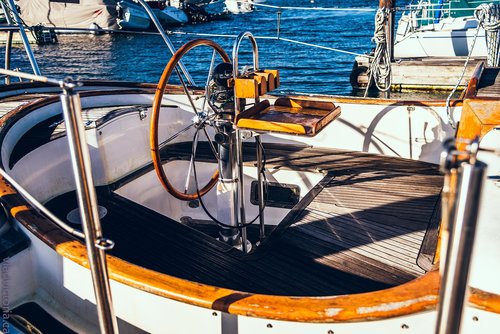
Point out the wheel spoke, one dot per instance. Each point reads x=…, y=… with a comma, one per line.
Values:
x=214, y=151
x=210, y=72
x=163, y=144
x=186, y=91
x=191, y=162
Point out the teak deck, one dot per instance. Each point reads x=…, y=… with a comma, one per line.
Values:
x=371, y=223
x=489, y=84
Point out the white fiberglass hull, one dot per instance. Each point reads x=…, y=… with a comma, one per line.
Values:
x=171, y=16
x=450, y=38
x=237, y=7
x=132, y=17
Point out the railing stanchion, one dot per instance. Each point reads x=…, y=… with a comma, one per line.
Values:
x=87, y=201
x=24, y=37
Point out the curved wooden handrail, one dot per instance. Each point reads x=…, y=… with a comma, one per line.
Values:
x=415, y=296
x=471, y=89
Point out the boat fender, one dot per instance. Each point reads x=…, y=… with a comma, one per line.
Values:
x=356, y=72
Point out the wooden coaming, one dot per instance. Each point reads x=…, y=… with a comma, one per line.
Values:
x=481, y=109
x=415, y=296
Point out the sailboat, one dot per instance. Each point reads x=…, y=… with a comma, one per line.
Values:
x=440, y=28
x=218, y=207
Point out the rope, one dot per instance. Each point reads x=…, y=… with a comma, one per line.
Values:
x=488, y=16
x=451, y=121
x=380, y=67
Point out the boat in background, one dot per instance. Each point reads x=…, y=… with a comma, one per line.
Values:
x=440, y=28
x=167, y=15
x=241, y=6
x=131, y=16
x=171, y=16
x=238, y=7
x=134, y=17
x=69, y=14
x=436, y=46
x=110, y=14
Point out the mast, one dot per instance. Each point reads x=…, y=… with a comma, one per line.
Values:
x=390, y=6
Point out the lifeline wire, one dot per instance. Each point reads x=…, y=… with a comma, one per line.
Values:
x=451, y=121
x=276, y=38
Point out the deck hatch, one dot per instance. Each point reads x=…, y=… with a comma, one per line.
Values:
x=277, y=195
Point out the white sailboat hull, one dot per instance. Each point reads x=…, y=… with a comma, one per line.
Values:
x=451, y=37
x=132, y=17
x=171, y=16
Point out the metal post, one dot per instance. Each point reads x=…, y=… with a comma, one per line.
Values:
x=24, y=37
x=260, y=187
x=87, y=201
x=239, y=144
x=241, y=192
x=227, y=211
x=453, y=292
x=8, y=45
x=390, y=6
x=236, y=49
x=165, y=38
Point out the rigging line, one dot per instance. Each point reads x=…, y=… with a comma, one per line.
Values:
x=211, y=35
x=324, y=47
x=214, y=35
x=380, y=66
x=335, y=9
x=273, y=38
x=449, y=113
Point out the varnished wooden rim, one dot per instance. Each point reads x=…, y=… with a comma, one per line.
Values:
x=155, y=117
x=471, y=90
x=373, y=101
x=416, y=296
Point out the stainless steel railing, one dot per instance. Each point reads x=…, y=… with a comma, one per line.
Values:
x=239, y=144
x=12, y=17
x=95, y=243
x=461, y=197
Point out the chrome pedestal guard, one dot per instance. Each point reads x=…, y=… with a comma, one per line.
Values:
x=239, y=148
x=461, y=198
x=227, y=195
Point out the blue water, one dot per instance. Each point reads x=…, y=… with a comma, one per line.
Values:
x=303, y=69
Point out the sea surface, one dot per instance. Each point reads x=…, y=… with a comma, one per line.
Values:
x=303, y=69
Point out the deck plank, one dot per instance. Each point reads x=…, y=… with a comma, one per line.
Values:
x=489, y=84
x=360, y=230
